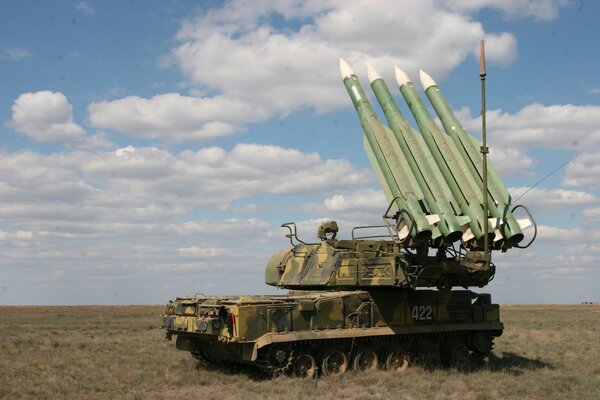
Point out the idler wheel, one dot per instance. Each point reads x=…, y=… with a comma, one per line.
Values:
x=334, y=363
x=482, y=343
x=304, y=366
x=365, y=360
x=397, y=360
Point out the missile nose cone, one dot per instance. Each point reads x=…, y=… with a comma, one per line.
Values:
x=426, y=80
x=372, y=73
x=401, y=77
x=345, y=69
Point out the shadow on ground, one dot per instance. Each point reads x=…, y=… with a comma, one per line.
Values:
x=250, y=371
x=515, y=364
x=510, y=363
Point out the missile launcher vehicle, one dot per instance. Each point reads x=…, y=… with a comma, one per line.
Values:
x=393, y=293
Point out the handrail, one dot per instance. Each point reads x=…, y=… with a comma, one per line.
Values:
x=293, y=233
x=401, y=212
x=535, y=227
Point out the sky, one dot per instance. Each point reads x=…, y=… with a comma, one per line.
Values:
x=150, y=149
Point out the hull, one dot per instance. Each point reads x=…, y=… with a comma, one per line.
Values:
x=302, y=331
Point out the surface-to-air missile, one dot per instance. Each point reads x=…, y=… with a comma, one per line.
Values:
x=367, y=302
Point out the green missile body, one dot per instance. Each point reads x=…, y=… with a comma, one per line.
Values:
x=391, y=170
x=448, y=160
x=437, y=194
x=470, y=153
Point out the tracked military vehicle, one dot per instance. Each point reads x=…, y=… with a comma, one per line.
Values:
x=391, y=294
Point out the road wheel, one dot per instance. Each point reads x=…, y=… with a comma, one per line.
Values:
x=335, y=362
x=304, y=366
x=397, y=360
x=460, y=357
x=430, y=358
x=365, y=360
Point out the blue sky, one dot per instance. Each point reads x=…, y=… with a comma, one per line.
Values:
x=151, y=149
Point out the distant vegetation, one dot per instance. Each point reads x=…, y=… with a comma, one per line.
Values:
x=546, y=352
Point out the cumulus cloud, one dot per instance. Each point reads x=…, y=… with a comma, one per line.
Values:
x=510, y=161
x=45, y=117
x=552, y=199
x=242, y=68
x=174, y=117
x=360, y=200
x=94, y=193
x=236, y=51
x=583, y=171
x=591, y=215
x=566, y=126
x=135, y=215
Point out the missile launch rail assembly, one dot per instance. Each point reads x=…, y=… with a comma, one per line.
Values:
x=378, y=299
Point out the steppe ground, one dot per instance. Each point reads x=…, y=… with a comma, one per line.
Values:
x=546, y=352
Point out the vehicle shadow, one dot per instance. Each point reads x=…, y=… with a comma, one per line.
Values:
x=250, y=371
x=507, y=362
x=514, y=364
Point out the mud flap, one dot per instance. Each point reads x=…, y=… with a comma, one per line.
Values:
x=249, y=351
x=185, y=343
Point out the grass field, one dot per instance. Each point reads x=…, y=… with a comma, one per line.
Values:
x=546, y=352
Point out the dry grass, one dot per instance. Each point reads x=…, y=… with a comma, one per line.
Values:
x=546, y=352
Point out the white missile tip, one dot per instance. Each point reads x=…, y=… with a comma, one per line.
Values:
x=345, y=69
x=426, y=80
x=372, y=73
x=401, y=77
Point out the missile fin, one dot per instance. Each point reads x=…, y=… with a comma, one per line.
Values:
x=433, y=219
x=403, y=231
x=467, y=235
x=524, y=223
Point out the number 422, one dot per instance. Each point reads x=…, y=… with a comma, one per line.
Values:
x=422, y=313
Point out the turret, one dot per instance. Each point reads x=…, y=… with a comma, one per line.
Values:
x=436, y=221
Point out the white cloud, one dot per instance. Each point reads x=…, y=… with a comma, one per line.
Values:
x=45, y=117
x=243, y=69
x=541, y=10
x=565, y=127
x=19, y=235
x=99, y=141
x=236, y=52
x=584, y=171
x=204, y=251
x=539, y=200
x=591, y=216
x=85, y=7
x=361, y=200
x=510, y=161
x=15, y=53
x=95, y=193
x=174, y=117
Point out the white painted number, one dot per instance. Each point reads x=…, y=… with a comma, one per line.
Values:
x=422, y=313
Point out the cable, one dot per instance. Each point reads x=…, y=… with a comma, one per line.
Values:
x=547, y=176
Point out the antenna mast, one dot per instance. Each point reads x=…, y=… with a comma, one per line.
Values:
x=484, y=151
